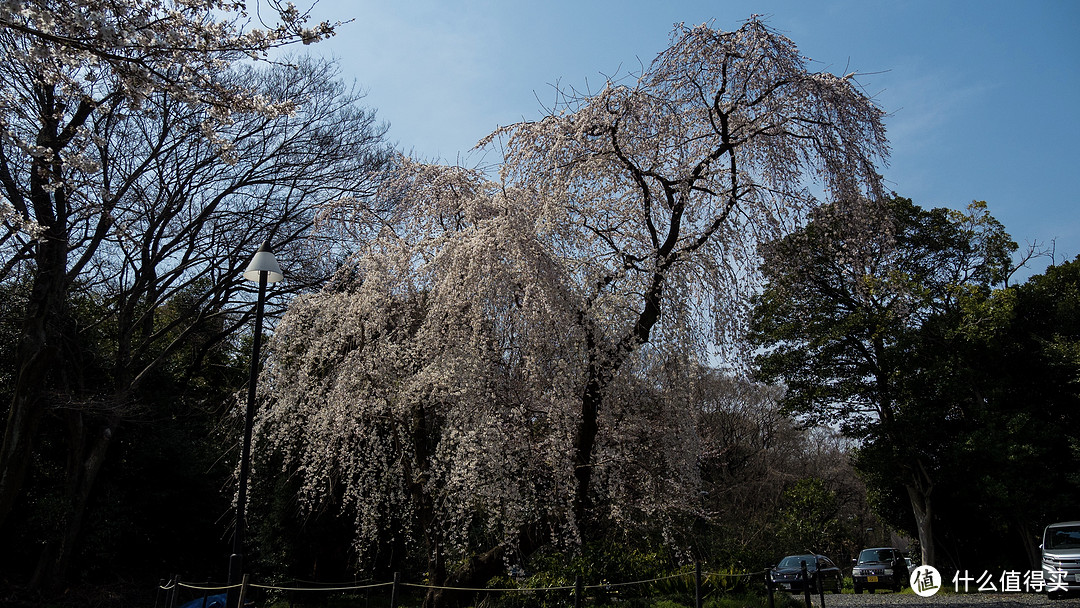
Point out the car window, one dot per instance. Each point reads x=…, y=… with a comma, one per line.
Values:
x=795, y=561
x=878, y=555
x=825, y=563
x=871, y=555
x=1063, y=538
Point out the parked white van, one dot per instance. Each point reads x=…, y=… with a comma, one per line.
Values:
x=1061, y=557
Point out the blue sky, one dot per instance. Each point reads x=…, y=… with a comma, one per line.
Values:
x=982, y=97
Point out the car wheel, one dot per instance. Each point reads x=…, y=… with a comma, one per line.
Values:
x=858, y=590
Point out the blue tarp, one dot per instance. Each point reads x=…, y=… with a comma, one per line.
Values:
x=212, y=601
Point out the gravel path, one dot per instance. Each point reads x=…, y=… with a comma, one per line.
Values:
x=945, y=600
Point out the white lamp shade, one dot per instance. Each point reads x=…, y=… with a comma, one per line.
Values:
x=264, y=261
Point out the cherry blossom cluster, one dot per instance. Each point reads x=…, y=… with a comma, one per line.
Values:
x=151, y=45
x=75, y=59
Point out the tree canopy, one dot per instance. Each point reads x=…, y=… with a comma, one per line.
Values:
x=900, y=339
x=483, y=365
x=845, y=294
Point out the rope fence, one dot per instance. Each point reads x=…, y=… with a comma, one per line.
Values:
x=208, y=595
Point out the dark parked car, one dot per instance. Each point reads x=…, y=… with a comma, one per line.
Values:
x=787, y=575
x=880, y=568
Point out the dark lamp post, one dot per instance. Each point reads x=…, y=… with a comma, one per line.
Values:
x=263, y=269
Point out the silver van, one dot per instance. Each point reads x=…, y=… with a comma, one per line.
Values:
x=1061, y=557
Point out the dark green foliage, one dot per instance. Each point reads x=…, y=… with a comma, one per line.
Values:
x=810, y=518
x=994, y=407
x=655, y=578
x=159, y=507
x=963, y=397
x=1018, y=434
x=845, y=295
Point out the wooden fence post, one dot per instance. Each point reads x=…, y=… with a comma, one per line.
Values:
x=394, y=590
x=243, y=592
x=174, y=591
x=697, y=584
x=578, y=589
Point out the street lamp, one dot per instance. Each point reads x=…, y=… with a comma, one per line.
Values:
x=263, y=269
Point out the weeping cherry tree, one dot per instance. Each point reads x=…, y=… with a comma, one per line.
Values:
x=477, y=380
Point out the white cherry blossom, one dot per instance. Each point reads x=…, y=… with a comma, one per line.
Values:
x=484, y=372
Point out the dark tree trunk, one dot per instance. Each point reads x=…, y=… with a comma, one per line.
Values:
x=923, y=508
x=585, y=440
x=45, y=327
x=86, y=455
x=603, y=366
x=38, y=352
x=477, y=571
x=1028, y=541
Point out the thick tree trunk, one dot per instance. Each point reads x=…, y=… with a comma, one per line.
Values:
x=38, y=352
x=477, y=571
x=603, y=366
x=585, y=441
x=1028, y=542
x=922, y=508
x=19, y=432
x=44, y=320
